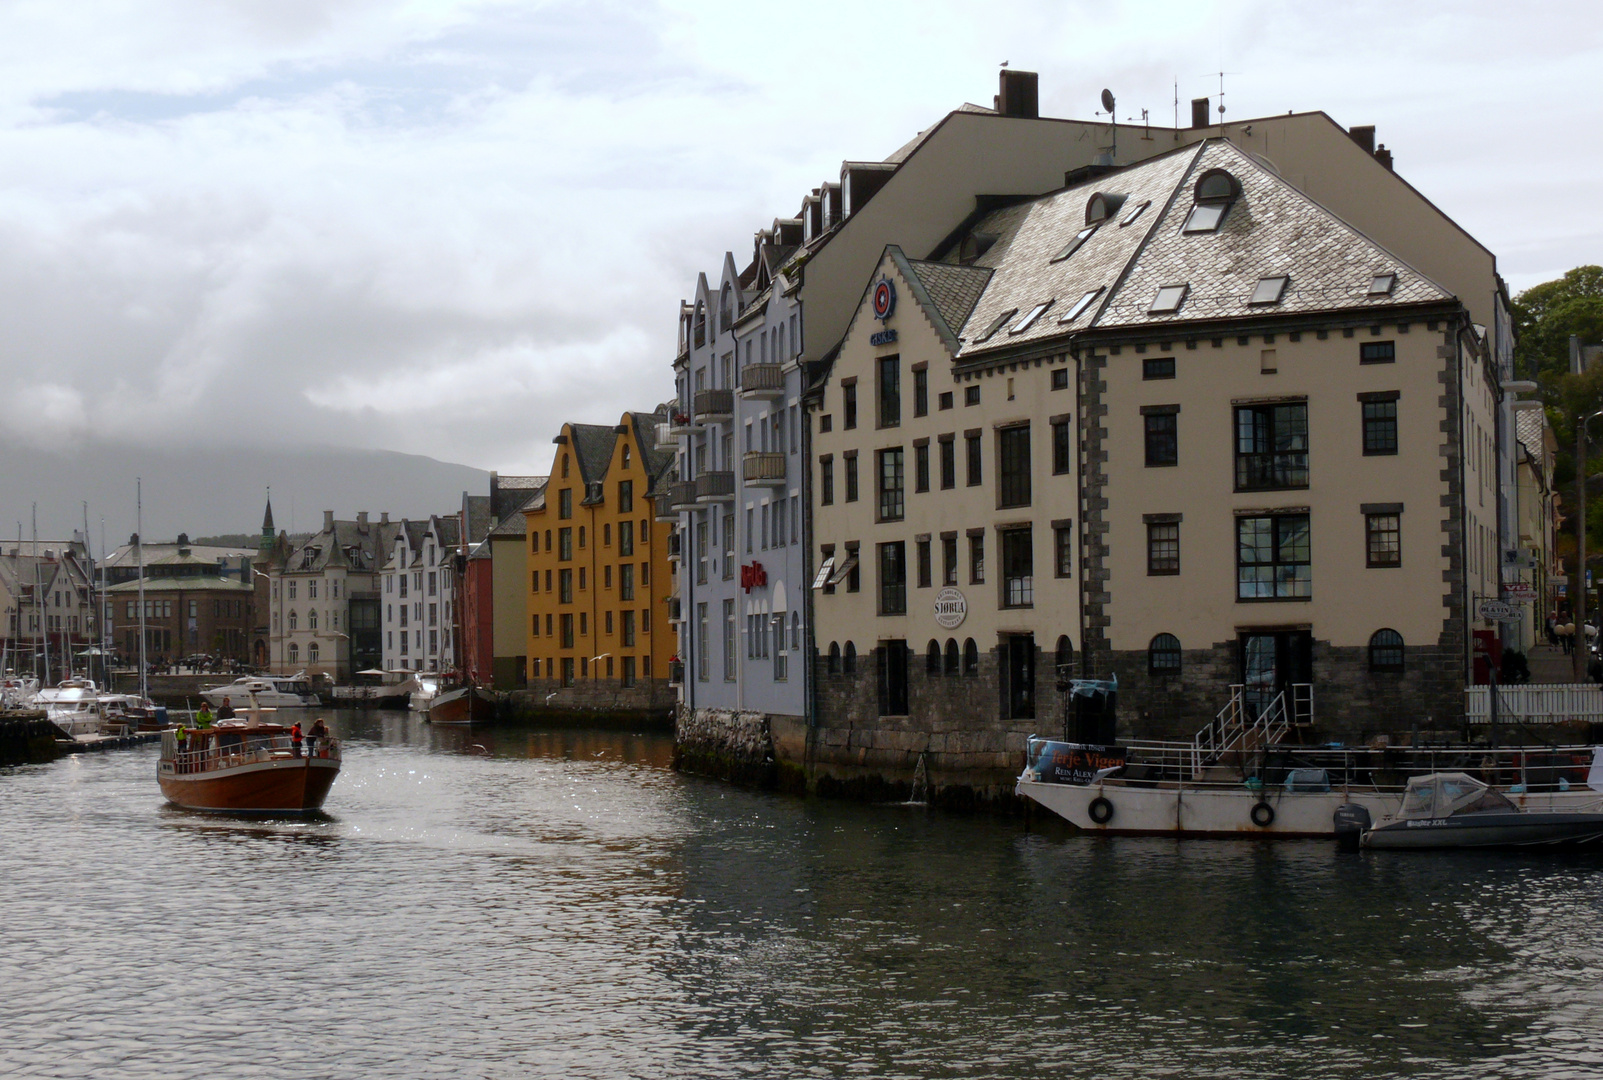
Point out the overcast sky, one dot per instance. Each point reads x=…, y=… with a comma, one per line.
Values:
x=443, y=228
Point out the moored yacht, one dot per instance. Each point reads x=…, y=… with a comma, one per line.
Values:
x=268, y=691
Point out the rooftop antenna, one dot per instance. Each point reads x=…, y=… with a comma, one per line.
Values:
x=1108, y=104
x=1146, y=125
x=1221, y=75
x=1177, y=104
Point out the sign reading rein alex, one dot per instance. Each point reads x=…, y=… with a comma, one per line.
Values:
x=951, y=608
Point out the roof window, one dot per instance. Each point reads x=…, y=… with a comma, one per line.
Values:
x=1080, y=305
x=1216, y=190
x=1269, y=290
x=1101, y=206
x=1169, y=299
x=1030, y=316
x=973, y=246
x=1129, y=219
x=996, y=325
x=1382, y=284
x=1074, y=245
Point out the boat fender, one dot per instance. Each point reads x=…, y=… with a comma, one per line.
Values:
x=1101, y=810
x=1263, y=815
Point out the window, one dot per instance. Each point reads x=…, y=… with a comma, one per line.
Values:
x=891, y=484
x=971, y=396
x=1386, y=651
x=976, y=557
x=1129, y=219
x=1030, y=316
x=311, y=619
x=1168, y=299
x=626, y=538
x=1273, y=558
x=627, y=677
x=1062, y=451
x=890, y=391
x=1075, y=244
x=293, y=621
x=826, y=480
x=565, y=544
x=1063, y=549
x=565, y=501
x=1060, y=378
x=1018, y=569
x=1377, y=352
x=626, y=581
x=1162, y=437
x=996, y=324
x=1380, y=427
x=729, y=546
x=626, y=492
x=932, y=658
x=567, y=671
x=626, y=628
x=951, y=662
x=292, y=589
x=971, y=442
x=971, y=658
x=921, y=466
x=565, y=586
x=848, y=659
x=777, y=628
x=1205, y=217
x=566, y=623
x=730, y=633
x=945, y=400
x=701, y=642
x=1383, y=539
x=1163, y=655
x=1163, y=548
x=826, y=423
x=1080, y=306
x=1382, y=284
x=949, y=559
x=925, y=571
x=1014, y=454
x=1271, y=447
x=1269, y=290
x=294, y=653
x=893, y=578
x=1158, y=367
x=849, y=405
x=851, y=475
x=948, y=462
x=921, y=392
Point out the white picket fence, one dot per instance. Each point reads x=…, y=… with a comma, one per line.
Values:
x=1536, y=703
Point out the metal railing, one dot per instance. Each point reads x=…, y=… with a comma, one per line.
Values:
x=225, y=750
x=715, y=484
x=714, y=403
x=1536, y=703
x=763, y=467
x=1240, y=729
x=762, y=380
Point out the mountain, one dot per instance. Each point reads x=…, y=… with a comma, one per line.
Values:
x=221, y=490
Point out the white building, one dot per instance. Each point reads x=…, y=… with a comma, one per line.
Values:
x=419, y=596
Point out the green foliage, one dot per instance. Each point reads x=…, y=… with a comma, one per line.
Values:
x=1546, y=315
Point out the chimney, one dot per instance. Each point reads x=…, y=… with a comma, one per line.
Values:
x=361, y=521
x=328, y=521
x=384, y=517
x=1364, y=136
x=1018, y=94
x=1199, y=112
x=1383, y=156
x=183, y=539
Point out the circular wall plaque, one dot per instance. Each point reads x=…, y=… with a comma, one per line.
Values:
x=951, y=608
x=884, y=299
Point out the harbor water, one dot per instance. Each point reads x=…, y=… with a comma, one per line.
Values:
x=505, y=903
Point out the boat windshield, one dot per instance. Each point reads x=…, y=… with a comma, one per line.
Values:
x=1441, y=795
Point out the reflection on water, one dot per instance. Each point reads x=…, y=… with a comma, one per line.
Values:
x=502, y=902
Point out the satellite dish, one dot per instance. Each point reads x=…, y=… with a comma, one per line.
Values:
x=1107, y=100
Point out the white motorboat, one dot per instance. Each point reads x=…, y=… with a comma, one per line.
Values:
x=268, y=691
x=427, y=688
x=1455, y=810
x=17, y=691
x=73, y=705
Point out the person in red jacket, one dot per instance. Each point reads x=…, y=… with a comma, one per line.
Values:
x=295, y=739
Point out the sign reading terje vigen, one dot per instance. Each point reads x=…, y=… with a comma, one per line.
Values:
x=951, y=608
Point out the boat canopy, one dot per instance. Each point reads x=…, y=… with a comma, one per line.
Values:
x=1441, y=795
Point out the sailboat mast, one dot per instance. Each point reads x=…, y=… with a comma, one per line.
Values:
x=38, y=598
x=139, y=561
x=96, y=608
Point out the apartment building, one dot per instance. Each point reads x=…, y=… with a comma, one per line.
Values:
x=419, y=589
x=1177, y=424
x=598, y=635
x=47, y=607
x=190, y=606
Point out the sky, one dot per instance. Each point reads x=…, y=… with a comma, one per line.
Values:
x=443, y=228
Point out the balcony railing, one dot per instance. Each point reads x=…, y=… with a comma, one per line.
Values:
x=714, y=405
x=715, y=485
x=762, y=380
x=673, y=544
x=763, y=467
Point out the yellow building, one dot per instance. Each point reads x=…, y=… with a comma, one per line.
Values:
x=599, y=636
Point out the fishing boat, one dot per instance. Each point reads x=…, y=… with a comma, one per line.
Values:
x=269, y=691
x=426, y=686
x=465, y=705
x=1455, y=810
x=247, y=766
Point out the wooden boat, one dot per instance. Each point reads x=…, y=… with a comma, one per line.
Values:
x=466, y=705
x=1455, y=810
x=247, y=766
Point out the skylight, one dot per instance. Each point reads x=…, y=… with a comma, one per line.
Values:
x=1129, y=219
x=1382, y=284
x=1169, y=299
x=1080, y=305
x=1205, y=217
x=996, y=325
x=1074, y=245
x=1030, y=317
x=1269, y=290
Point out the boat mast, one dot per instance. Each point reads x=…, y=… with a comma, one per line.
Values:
x=139, y=561
x=38, y=599
x=92, y=617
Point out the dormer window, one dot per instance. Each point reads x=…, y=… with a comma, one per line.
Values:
x=1129, y=219
x=1216, y=190
x=1080, y=305
x=1169, y=299
x=973, y=246
x=1074, y=245
x=996, y=325
x=1382, y=284
x=1102, y=206
x=1269, y=290
x=1030, y=316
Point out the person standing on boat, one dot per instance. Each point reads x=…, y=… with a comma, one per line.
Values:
x=295, y=739
x=319, y=731
x=226, y=711
x=203, y=719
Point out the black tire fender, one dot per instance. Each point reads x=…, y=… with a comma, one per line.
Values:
x=1101, y=810
x=1263, y=815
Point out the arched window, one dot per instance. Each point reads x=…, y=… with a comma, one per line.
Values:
x=726, y=309
x=294, y=653
x=311, y=653
x=1102, y=205
x=1163, y=655
x=952, y=661
x=1386, y=651
x=311, y=619
x=848, y=660
x=932, y=658
x=971, y=658
x=834, y=658
x=699, y=325
x=293, y=620
x=1215, y=191
x=1065, y=660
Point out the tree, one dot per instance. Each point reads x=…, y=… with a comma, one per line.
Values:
x=1546, y=315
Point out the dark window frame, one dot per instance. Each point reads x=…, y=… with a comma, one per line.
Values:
x=892, y=559
x=1161, y=438
x=1282, y=533
x=1157, y=367
x=1379, y=427
x=1377, y=352
x=1379, y=552
x=974, y=465
x=891, y=479
x=1164, y=656
x=1271, y=446
x=888, y=378
x=1018, y=567
x=1163, y=548
x=1013, y=467
x=1387, y=656
x=921, y=466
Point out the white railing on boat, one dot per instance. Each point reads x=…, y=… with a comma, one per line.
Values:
x=1536, y=703
x=225, y=750
x=1239, y=729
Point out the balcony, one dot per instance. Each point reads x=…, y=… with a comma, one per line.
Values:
x=675, y=610
x=713, y=406
x=679, y=423
x=762, y=381
x=764, y=468
x=677, y=496
x=673, y=544
x=715, y=486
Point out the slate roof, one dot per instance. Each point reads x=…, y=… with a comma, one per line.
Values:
x=326, y=548
x=1529, y=425
x=477, y=509
x=592, y=448
x=949, y=291
x=658, y=461
x=183, y=584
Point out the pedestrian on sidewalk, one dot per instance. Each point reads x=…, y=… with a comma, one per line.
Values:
x=1552, y=633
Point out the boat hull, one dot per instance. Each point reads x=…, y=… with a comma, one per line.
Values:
x=469, y=705
x=282, y=785
x=1490, y=831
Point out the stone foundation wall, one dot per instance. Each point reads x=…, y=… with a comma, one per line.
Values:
x=727, y=744
x=649, y=700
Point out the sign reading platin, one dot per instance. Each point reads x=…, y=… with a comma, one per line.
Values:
x=951, y=608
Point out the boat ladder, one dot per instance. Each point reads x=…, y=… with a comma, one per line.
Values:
x=1241, y=728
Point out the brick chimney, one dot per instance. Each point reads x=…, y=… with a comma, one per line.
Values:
x=1018, y=94
x=328, y=521
x=1199, y=112
x=361, y=521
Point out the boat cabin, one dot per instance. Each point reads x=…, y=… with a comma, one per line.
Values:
x=1443, y=795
